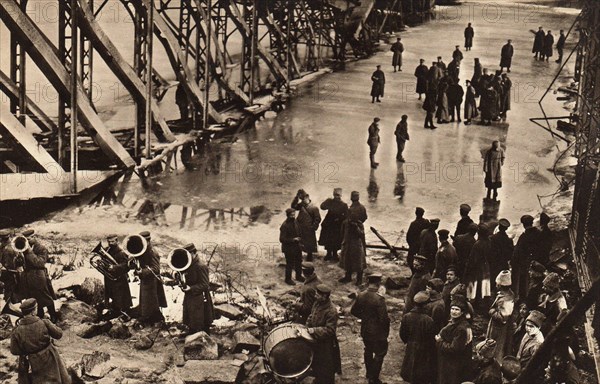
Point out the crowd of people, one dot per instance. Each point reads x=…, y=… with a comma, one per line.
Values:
x=475, y=271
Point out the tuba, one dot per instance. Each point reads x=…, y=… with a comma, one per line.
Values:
x=20, y=244
x=134, y=246
x=179, y=260
x=102, y=261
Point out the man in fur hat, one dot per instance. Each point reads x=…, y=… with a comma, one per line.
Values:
x=31, y=340
x=331, y=227
x=198, y=310
x=117, y=295
x=370, y=308
x=536, y=272
x=502, y=323
x=552, y=302
x=533, y=338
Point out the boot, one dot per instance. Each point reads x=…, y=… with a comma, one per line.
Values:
x=300, y=278
x=335, y=257
x=328, y=256
x=309, y=256
x=347, y=278
x=359, y=278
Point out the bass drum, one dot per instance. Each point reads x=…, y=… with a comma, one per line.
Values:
x=289, y=355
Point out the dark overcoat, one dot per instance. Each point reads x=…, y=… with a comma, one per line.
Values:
x=413, y=234
x=447, y=293
x=42, y=251
x=198, y=310
x=9, y=275
x=463, y=245
x=548, y=44
x=307, y=296
x=454, y=352
x=326, y=359
x=538, y=42
x=288, y=231
x=118, y=290
x=445, y=257
x=331, y=227
x=33, y=337
x=421, y=75
x=489, y=373
x=503, y=248
x=462, y=226
x=353, y=257
x=378, y=86
x=429, y=247
x=477, y=271
x=418, y=282
x=370, y=308
x=469, y=34
x=506, y=55
x=397, y=48
x=308, y=221
x=488, y=105
x=524, y=253
x=455, y=96
x=34, y=281
x=417, y=331
x=470, y=104
x=152, y=292
x=436, y=309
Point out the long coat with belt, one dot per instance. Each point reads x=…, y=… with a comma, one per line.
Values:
x=326, y=359
x=378, y=79
x=331, y=226
x=469, y=34
x=198, y=311
x=308, y=221
x=538, y=42
x=454, y=352
x=34, y=281
x=118, y=290
x=353, y=257
x=492, y=166
x=33, y=338
x=417, y=331
x=548, y=43
x=371, y=309
x=477, y=271
x=152, y=293
x=502, y=323
x=397, y=48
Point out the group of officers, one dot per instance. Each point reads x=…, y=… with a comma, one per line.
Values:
x=26, y=280
x=453, y=277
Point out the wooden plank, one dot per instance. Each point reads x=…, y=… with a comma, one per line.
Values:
x=119, y=66
x=35, y=113
x=24, y=142
x=384, y=241
x=180, y=64
x=43, y=54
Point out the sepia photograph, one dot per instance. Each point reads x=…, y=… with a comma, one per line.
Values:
x=299, y=191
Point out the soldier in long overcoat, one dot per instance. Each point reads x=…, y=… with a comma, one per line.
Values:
x=445, y=256
x=331, y=226
x=538, y=43
x=370, y=308
x=421, y=74
x=307, y=292
x=308, y=221
x=454, y=345
x=378, y=84
x=546, y=240
x=477, y=75
x=455, y=99
x=152, y=292
x=492, y=166
x=34, y=283
x=413, y=235
x=31, y=340
x=469, y=34
x=417, y=332
x=506, y=55
x=198, y=309
x=9, y=274
x=291, y=246
x=117, y=294
x=442, y=113
x=41, y=252
x=477, y=272
x=397, y=48
x=429, y=106
x=353, y=256
x=502, y=321
x=322, y=326
x=470, y=103
x=488, y=104
x=429, y=243
x=548, y=44
x=463, y=245
x=524, y=253
x=418, y=281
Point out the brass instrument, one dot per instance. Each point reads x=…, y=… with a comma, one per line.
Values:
x=103, y=262
x=20, y=244
x=179, y=260
x=134, y=246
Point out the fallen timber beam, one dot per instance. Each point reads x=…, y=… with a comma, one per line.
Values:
x=23, y=142
x=180, y=65
x=378, y=246
x=167, y=153
x=239, y=21
x=119, y=66
x=43, y=54
x=35, y=113
x=384, y=241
